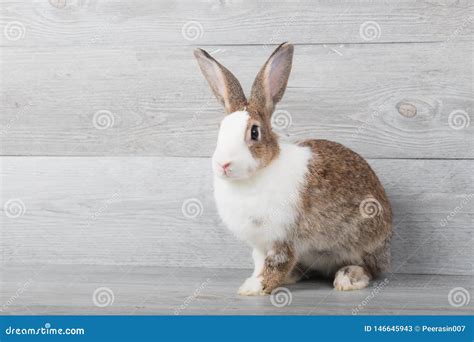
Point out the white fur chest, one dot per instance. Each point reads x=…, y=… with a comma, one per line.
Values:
x=263, y=209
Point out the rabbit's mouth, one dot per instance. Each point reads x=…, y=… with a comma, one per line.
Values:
x=231, y=172
x=224, y=173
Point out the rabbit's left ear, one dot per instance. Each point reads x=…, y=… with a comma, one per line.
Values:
x=223, y=83
x=270, y=83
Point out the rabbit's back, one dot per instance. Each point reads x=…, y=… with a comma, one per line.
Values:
x=344, y=211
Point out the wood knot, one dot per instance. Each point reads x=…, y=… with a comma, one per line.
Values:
x=58, y=3
x=406, y=109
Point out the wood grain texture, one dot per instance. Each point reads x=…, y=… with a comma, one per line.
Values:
x=110, y=91
x=141, y=290
x=384, y=101
x=136, y=211
x=159, y=23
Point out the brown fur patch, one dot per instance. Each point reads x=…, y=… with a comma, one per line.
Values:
x=337, y=182
x=232, y=96
x=278, y=265
x=260, y=95
x=266, y=149
x=262, y=103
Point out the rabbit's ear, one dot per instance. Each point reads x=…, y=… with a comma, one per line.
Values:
x=270, y=83
x=223, y=83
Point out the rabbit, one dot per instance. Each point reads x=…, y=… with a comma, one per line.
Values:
x=304, y=207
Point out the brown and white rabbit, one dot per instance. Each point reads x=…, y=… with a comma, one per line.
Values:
x=309, y=206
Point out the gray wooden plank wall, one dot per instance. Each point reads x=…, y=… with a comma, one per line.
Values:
x=107, y=125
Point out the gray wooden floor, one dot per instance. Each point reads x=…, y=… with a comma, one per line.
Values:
x=69, y=289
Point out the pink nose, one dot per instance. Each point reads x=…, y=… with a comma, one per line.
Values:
x=225, y=167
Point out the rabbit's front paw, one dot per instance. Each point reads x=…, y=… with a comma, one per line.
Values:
x=251, y=287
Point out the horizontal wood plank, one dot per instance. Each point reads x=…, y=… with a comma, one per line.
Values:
x=384, y=101
x=179, y=23
x=160, y=211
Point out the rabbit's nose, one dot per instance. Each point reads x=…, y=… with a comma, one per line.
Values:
x=225, y=167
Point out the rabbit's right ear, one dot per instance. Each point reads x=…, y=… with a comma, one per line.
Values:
x=223, y=83
x=270, y=83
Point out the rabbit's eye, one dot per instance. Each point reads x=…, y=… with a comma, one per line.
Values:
x=254, y=132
